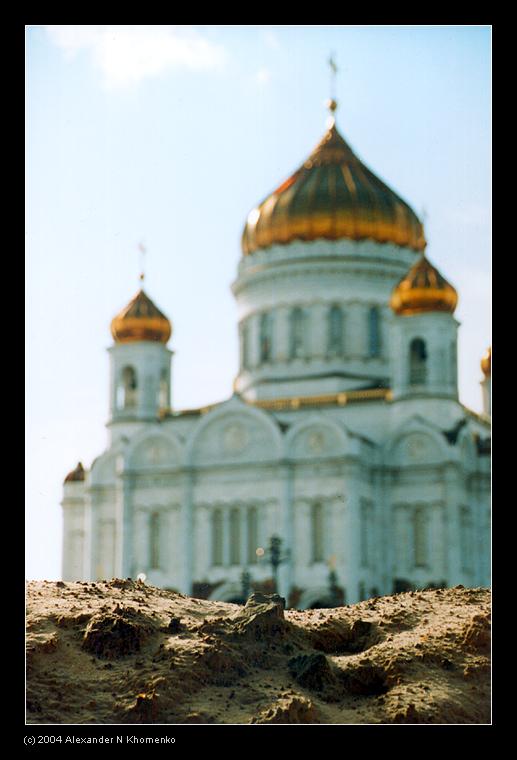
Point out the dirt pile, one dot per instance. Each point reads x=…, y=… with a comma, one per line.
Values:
x=125, y=652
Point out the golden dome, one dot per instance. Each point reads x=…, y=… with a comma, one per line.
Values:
x=333, y=195
x=140, y=320
x=423, y=289
x=486, y=362
x=77, y=475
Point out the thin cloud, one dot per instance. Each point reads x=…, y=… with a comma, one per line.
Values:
x=126, y=55
x=263, y=76
x=271, y=40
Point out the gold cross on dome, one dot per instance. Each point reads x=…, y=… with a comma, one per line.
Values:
x=142, y=249
x=333, y=74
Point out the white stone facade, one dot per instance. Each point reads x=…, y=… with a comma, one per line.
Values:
x=333, y=441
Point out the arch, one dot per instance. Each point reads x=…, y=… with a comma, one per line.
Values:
x=317, y=594
x=104, y=469
x=234, y=432
x=153, y=449
x=417, y=442
x=417, y=362
x=316, y=436
x=226, y=592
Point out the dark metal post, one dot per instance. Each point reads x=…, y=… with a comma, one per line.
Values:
x=245, y=584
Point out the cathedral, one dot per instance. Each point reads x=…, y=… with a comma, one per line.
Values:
x=344, y=465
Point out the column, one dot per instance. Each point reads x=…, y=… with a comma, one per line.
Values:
x=87, y=556
x=318, y=330
x=124, y=563
x=285, y=574
x=356, y=337
x=94, y=536
x=384, y=548
x=453, y=501
x=226, y=537
x=437, y=540
x=187, y=532
x=141, y=542
x=352, y=523
x=243, y=516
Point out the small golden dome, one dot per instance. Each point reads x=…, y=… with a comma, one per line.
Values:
x=423, y=289
x=77, y=475
x=333, y=195
x=486, y=362
x=140, y=320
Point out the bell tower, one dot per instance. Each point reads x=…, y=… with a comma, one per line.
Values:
x=486, y=383
x=140, y=382
x=424, y=334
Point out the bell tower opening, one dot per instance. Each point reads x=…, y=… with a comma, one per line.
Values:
x=417, y=362
x=127, y=389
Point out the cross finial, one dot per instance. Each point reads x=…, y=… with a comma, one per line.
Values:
x=142, y=249
x=333, y=74
x=331, y=102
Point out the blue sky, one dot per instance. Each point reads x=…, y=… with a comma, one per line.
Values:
x=169, y=136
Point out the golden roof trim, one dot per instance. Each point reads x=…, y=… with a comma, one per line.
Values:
x=329, y=399
x=297, y=402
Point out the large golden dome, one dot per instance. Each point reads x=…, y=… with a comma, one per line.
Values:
x=333, y=195
x=140, y=320
x=423, y=289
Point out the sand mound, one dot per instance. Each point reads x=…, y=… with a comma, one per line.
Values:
x=124, y=652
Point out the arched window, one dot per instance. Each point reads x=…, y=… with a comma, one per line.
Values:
x=127, y=389
x=217, y=537
x=417, y=362
x=163, y=396
x=245, y=346
x=266, y=337
x=297, y=333
x=235, y=537
x=452, y=363
x=374, y=331
x=252, y=535
x=420, y=538
x=317, y=532
x=335, y=332
x=154, y=541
